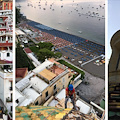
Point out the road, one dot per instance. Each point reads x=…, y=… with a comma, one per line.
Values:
x=94, y=91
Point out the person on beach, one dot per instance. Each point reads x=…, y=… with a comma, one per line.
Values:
x=70, y=93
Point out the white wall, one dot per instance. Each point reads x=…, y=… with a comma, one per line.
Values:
x=1, y=89
x=4, y=55
x=5, y=91
x=9, y=106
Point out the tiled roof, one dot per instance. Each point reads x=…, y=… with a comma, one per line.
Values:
x=47, y=74
x=27, y=50
x=41, y=113
x=20, y=72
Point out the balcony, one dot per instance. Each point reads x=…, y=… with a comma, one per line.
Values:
x=5, y=44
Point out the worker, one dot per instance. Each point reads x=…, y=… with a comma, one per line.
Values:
x=70, y=93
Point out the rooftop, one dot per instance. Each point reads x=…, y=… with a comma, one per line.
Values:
x=53, y=61
x=21, y=72
x=24, y=82
x=56, y=69
x=52, y=113
x=42, y=66
x=41, y=113
x=38, y=84
x=19, y=32
x=31, y=93
x=47, y=74
x=27, y=50
x=22, y=100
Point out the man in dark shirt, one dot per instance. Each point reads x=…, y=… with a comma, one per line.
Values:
x=70, y=93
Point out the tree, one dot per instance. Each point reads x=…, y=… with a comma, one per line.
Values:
x=17, y=15
x=46, y=45
x=22, y=60
x=58, y=55
x=44, y=53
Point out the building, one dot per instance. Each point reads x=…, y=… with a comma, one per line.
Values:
x=21, y=73
x=6, y=5
x=6, y=39
x=6, y=22
x=6, y=60
x=43, y=82
x=114, y=77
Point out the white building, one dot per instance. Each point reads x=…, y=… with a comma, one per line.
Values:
x=41, y=83
x=6, y=58
x=6, y=89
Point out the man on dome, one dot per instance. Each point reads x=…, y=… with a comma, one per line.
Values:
x=70, y=93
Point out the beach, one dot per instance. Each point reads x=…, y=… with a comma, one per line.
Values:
x=84, y=19
x=75, y=49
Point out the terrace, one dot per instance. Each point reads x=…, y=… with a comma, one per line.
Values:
x=48, y=75
x=56, y=70
x=51, y=72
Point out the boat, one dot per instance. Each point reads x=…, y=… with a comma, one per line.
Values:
x=80, y=32
x=67, y=28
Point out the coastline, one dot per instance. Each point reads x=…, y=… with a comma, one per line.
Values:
x=62, y=32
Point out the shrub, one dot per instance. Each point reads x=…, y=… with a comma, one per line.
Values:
x=72, y=67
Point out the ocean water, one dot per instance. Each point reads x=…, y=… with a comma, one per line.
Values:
x=83, y=18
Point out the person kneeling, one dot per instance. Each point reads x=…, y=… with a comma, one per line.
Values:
x=70, y=93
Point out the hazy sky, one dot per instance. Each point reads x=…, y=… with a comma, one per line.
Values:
x=113, y=20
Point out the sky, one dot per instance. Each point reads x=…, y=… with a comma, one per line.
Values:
x=113, y=20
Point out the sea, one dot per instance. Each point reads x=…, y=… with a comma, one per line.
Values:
x=83, y=18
